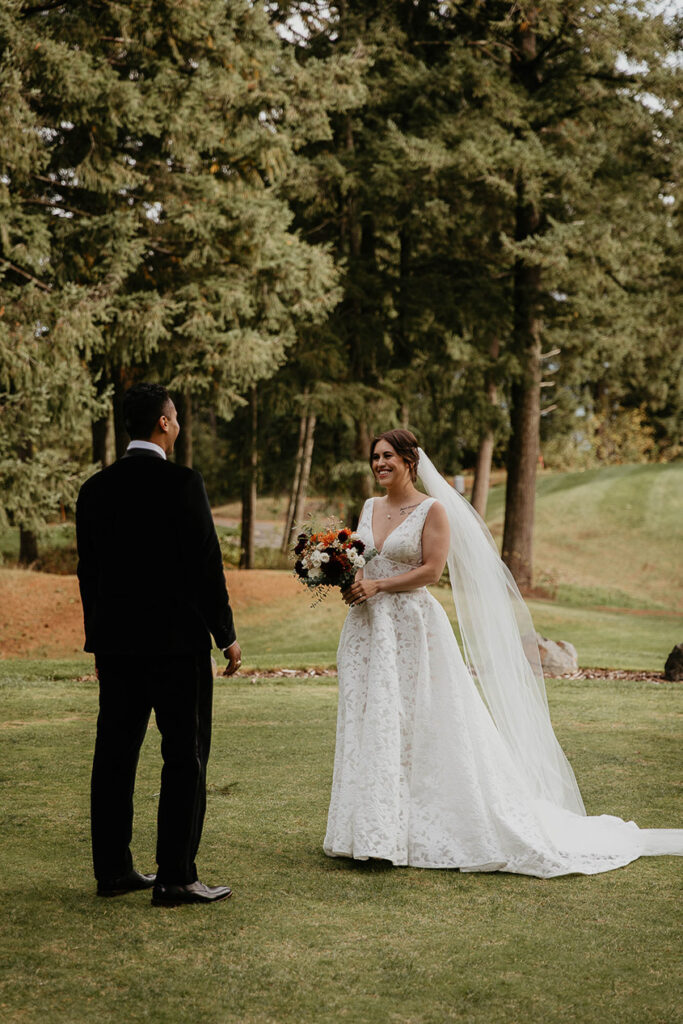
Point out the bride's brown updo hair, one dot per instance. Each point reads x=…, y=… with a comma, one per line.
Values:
x=404, y=444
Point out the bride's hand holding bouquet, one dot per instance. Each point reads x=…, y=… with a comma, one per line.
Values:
x=361, y=590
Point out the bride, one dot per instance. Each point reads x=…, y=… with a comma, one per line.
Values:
x=439, y=763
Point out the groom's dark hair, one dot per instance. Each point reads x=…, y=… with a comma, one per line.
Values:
x=143, y=404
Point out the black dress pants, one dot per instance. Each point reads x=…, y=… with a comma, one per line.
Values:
x=179, y=689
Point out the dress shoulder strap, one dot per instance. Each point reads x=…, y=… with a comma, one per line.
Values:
x=418, y=518
x=366, y=510
x=425, y=506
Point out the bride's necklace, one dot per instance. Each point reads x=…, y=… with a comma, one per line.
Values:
x=403, y=509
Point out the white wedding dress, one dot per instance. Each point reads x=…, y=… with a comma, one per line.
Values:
x=422, y=776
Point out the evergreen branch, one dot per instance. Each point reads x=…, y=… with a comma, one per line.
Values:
x=334, y=221
x=25, y=273
x=493, y=42
x=57, y=184
x=550, y=43
x=557, y=118
x=58, y=206
x=27, y=12
x=622, y=78
x=61, y=185
x=630, y=289
x=613, y=277
x=480, y=44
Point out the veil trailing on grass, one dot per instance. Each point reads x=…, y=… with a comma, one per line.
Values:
x=500, y=647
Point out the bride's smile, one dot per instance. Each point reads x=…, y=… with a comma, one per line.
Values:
x=391, y=471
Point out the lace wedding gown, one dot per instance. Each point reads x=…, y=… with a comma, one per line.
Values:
x=422, y=776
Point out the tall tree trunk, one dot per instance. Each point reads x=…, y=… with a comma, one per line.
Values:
x=28, y=541
x=289, y=521
x=482, y=473
x=520, y=491
x=249, y=487
x=28, y=546
x=403, y=326
x=362, y=481
x=482, y=469
x=121, y=438
x=363, y=453
x=523, y=448
x=100, y=428
x=183, y=445
x=358, y=242
x=100, y=441
x=302, y=490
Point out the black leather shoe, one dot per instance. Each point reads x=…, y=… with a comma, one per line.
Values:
x=194, y=892
x=126, y=883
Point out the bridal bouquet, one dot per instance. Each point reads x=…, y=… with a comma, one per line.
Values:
x=329, y=558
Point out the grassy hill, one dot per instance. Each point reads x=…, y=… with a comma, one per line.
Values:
x=608, y=536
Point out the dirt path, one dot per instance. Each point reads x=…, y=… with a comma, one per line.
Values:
x=40, y=613
x=267, y=534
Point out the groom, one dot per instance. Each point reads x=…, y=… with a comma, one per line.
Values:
x=153, y=592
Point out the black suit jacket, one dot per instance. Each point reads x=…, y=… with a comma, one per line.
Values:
x=150, y=568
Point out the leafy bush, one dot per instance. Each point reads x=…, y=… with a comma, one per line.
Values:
x=611, y=437
x=264, y=558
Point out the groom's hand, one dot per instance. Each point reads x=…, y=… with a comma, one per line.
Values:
x=234, y=655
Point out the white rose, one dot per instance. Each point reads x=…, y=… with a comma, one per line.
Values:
x=324, y=557
x=315, y=574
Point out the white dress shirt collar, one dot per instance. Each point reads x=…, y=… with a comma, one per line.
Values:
x=149, y=446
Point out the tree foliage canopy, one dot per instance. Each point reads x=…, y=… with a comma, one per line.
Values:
x=378, y=212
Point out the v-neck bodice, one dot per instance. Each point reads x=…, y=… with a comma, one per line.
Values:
x=402, y=548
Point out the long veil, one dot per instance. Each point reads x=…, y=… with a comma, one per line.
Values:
x=500, y=647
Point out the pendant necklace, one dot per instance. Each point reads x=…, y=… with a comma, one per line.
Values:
x=404, y=509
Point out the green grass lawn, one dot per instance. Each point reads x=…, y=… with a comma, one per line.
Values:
x=305, y=938
x=272, y=637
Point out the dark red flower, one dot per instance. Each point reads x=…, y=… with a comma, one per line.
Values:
x=334, y=570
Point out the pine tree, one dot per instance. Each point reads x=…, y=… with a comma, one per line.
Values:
x=499, y=188
x=422, y=301
x=144, y=167
x=589, y=163
x=48, y=325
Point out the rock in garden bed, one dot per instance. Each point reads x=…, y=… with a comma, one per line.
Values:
x=558, y=657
